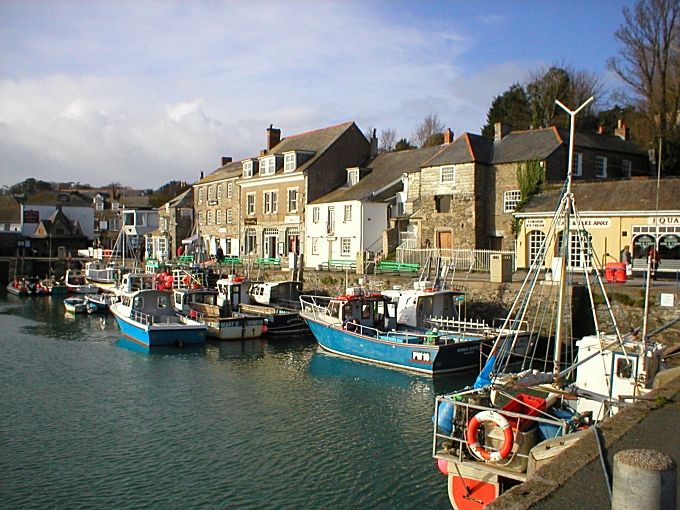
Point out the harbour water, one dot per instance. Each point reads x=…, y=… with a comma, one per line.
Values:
x=90, y=421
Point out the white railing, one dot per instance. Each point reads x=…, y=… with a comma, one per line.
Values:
x=459, y=259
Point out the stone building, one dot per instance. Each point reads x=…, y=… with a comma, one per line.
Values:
x=465, y=195
x=276, y=186
x=217, y=208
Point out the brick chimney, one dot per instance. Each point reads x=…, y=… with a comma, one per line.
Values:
x=500, y=130
x=273, y=136
x=226, y=159
x=622, y=131
x=448, y=136
x=600, y=130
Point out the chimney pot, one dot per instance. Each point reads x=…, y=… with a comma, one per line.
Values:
x=448, y=136
x=622, y=131
x=600, y=130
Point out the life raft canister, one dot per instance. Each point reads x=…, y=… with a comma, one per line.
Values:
x=471, y=436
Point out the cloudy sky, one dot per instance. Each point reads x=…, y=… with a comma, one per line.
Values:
x=143, y=92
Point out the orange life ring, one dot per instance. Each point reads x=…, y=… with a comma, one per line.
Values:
x=479, y=451
x=107, y=253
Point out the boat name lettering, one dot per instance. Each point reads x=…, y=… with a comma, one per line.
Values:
x=420, y=356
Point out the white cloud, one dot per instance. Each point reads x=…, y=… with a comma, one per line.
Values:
x=148, y=92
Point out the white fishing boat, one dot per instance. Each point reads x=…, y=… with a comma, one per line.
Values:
x=222, y=323
x=76, y=284
x=103, y=275
x=515, y=418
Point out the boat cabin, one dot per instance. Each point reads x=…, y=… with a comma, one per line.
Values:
x=275, y=293
x=233, y=290
x=356, y=309
x=416, y=307
x=133, y=282
x=153, y=303
x=202, y=301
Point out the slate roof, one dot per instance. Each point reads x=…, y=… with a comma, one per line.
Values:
x=612, y=195
x=464, y=149
x=385, y=169
x=317, y=141
x=10, y=210
x=525, y=145
x=75, y=199
x=231, y=169
x=184, y=199
x=134, y=202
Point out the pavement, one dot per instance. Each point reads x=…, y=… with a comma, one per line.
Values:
x=576, y=477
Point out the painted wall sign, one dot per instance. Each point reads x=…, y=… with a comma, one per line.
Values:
x=531, y=223
x=665, y=220
x=291, y=220
x=31, y=216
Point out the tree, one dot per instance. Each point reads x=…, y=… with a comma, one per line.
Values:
x=434, y=140
x=649, y=63
x=404, y=145
x=511, y=107
x=388, y=139
x=546, y=86
x=29, y=186
x=431, y=125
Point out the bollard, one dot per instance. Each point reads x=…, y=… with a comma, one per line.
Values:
x=643, y=480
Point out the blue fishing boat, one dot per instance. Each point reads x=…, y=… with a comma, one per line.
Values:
x=363, y=326
x=151, y=320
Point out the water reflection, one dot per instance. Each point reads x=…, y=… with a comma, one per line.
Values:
x=161, y=350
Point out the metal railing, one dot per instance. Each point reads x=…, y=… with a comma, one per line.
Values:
x=459, y=259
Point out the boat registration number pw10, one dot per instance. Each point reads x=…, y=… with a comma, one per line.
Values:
x=420, y=356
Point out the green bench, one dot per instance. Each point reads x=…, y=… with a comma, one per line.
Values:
x=230, y=261
x=185, y=259
x=391, y=266
x=339, y=265
x=268, y=262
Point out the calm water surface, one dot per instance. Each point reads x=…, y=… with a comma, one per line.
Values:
x=89, y=421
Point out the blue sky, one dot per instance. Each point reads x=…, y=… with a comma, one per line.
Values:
x=143, y=92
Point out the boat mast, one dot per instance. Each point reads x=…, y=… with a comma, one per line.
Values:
x=559, y=327
x=645, y=315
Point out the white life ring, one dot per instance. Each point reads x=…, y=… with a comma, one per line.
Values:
x=479, y=451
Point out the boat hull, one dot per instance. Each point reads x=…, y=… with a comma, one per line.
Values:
x=75, y=305
x=151, y=335
x=415, y=357
x=241, y=328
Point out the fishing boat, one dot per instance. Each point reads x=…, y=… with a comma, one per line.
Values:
x=427, y=305
x=18, y=287
x=75, y=305
x=363, y=326
x=27, y=286
x=131, y=283
x=516, y=418
x=76, y=284
x=99, y=302
x=151, y=320
x=222, y=323
x=276, y=302
x=53, y=286
x=103, y=275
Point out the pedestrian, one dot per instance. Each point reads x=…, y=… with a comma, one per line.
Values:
x=653, y=259
x=627, y=259
x=220, y=254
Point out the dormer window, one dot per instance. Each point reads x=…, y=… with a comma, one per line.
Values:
x=352, y=176
x=289, y=162
x=268, y=165
x=247, y=169
x=115, y=206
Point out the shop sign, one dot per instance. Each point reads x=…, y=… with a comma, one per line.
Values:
x=291, y=220
x=532, y=223
x=670, y=241
x=31, y=216
x=664, y=220
x=250, y=221
x=589, y=223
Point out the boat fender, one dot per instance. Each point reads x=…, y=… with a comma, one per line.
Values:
x=445, y=416
x=479, y=451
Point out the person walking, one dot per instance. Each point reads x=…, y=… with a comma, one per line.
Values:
x=653, y=260
x=627, y=259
